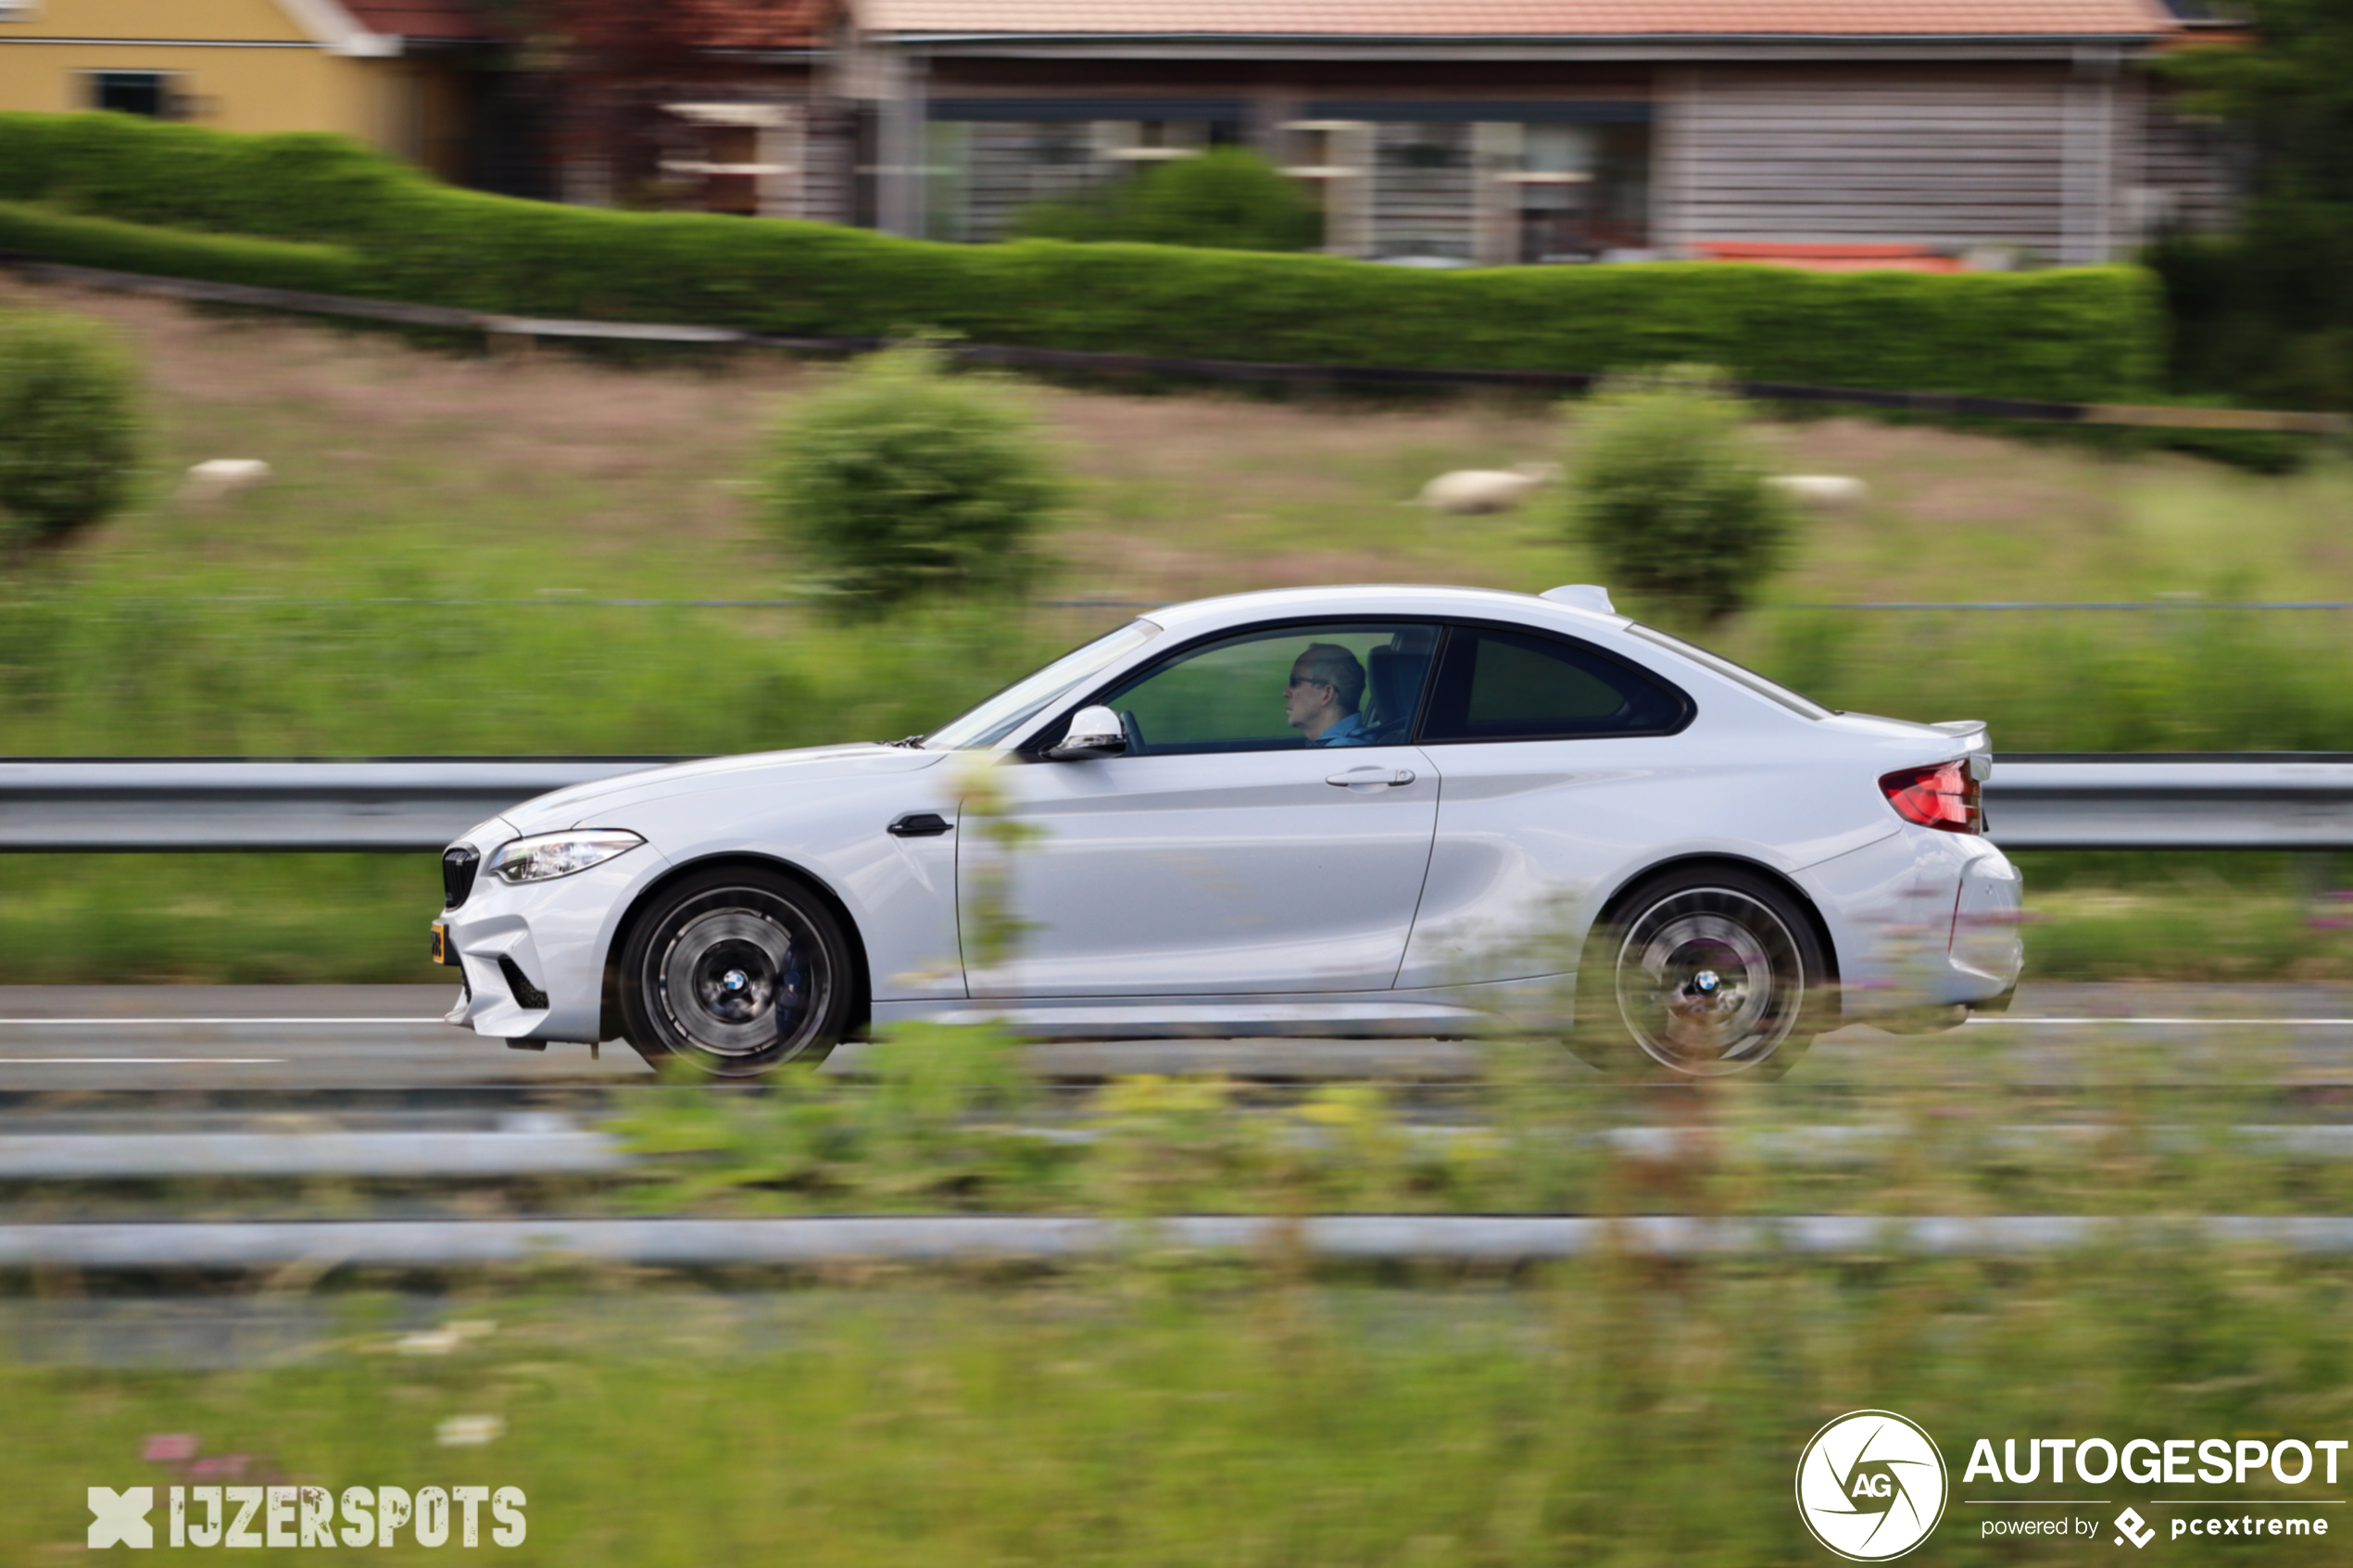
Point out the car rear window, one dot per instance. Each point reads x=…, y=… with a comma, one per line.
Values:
x=1738, y=675
x=1496, y=684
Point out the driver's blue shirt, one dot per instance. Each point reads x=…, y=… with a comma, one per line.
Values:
x=1350, y=731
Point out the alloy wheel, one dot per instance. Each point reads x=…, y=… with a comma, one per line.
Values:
x=1709, y=981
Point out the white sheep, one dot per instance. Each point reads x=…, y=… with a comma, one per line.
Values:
x=1830, y=492
x=1469, y=491
x=215, y=481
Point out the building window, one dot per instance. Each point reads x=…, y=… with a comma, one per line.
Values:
x=1568, y=192
x=743, y=158
x=988, y=159
x=149, y=92
x=982, y=173
x=1334, y=159
x=1487, y=183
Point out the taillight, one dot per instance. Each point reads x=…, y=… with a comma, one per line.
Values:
x=1943, y=796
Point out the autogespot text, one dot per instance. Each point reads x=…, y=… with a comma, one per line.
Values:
x=2219, y=1461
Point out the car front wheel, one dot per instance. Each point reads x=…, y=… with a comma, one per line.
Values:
x=1702, y=973
x=736, y=972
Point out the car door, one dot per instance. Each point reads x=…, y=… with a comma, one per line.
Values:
x=1555, y=751
x=1239, y=844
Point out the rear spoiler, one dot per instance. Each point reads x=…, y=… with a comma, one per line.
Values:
x=1970, y=733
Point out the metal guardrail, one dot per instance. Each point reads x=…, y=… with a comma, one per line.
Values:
x=143, y=1246
x=370, y=1155
x=561, y=1150
x=2267, y=801
x=404, y=804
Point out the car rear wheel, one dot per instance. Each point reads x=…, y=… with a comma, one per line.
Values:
x=736, y=972
x=1702, y=973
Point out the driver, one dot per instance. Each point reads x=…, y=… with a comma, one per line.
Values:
x=1325, y=686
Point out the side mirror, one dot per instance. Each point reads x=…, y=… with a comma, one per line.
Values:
x=1094, y=731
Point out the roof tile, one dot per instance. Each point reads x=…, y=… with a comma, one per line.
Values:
x=419, y=18
x=711, y=24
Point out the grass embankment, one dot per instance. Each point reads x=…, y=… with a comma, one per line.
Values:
x=1167, y=1413
x=290, y=622
x=1170, y=1408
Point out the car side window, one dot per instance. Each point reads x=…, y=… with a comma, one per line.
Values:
x=1277, y=688
x=1496, y=685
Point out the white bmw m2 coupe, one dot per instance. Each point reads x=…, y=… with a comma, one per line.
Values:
x=1335, y=811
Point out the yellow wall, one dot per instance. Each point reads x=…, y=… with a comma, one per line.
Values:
x=158, y=19
x=401, y=106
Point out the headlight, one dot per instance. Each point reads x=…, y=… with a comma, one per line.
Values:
x=558, y=854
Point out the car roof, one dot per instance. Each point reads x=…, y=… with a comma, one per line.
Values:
x=1375, y=599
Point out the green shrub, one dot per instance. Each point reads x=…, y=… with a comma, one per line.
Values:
x=1670, y=494
x=904, y=481
x=68, y=423
x=2091, y=334
x=1227, y=200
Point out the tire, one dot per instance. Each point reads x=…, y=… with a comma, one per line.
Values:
x=1706, y=973
x=736, y=972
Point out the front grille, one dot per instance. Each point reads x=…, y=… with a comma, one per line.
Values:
x=457, y=867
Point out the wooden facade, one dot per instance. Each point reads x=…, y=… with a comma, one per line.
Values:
x=1950, y=158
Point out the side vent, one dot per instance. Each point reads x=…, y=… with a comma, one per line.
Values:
x=527, y=995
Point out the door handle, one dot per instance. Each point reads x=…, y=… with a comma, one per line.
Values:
x=1355, y=778
x=920, y=824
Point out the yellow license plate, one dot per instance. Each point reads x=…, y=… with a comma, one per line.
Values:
x=442, y=951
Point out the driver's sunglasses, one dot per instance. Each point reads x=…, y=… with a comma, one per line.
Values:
x=1304, y=681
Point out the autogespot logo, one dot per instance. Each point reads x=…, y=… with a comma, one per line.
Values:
x=1870, y=1485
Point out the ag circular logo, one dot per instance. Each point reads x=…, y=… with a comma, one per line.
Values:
x=1870, y=1485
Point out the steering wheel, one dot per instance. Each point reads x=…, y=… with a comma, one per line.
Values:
x=1133, y=730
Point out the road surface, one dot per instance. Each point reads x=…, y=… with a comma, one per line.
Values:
x=245, y=1037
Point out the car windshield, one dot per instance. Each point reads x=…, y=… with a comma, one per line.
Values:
x=1740, y=674
x=1026, y=698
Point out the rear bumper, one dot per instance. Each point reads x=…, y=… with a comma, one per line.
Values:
x=1921, y=919
x=1988, y=908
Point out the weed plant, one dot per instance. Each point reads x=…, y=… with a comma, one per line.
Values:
x=940, y=1121
x=1166, y=1410
x=1164, y=1406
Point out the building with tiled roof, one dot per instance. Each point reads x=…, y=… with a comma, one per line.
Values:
x=1930, y=133
x=1915, y=132
x=393, y=73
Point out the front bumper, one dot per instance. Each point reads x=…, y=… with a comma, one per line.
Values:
x=544, y=937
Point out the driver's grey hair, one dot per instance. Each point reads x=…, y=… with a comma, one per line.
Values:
x=1332, y=665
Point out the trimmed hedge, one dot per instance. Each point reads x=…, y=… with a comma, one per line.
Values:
x=175, y=253
x=2084, y=333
